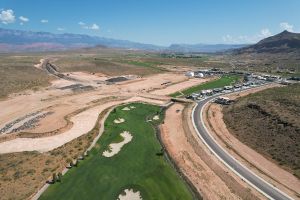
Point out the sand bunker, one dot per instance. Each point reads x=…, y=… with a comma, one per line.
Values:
x=125, y=108
x=119, y=120
x=128, y=108
x=156, y=117
x=114, y=148
x=130, y=195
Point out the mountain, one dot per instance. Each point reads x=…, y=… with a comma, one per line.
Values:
x=203, y=48
x=284, y=42
x=18, y=40
x=30, y=41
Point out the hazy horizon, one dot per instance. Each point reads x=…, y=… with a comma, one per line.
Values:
x=156, y=22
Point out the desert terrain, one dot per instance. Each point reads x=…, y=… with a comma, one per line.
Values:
x=52, y=125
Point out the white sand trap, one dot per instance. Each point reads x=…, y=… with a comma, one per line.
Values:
x=114, y=148
x=119, y=120
x=125, y=108
x=132, y=107
x=156, y=117
x=130, y=195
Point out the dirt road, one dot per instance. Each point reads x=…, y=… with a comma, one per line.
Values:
x=62, y=103
x=210, y=178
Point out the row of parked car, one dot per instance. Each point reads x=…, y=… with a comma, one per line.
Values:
x=226, y=89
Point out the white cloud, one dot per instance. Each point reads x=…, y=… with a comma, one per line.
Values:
x=91, y=27
x=7, y=16
x=286, y=26
x=44, y=21
x=228, y=38
x=243, y=39
x=265, y=33
x=60, y=29
x=23, y=19
x=94, y=27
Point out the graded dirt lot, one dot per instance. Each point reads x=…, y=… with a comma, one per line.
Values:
x=260, y=165
x=180, y=86
x=66, y=102
x=209, y=177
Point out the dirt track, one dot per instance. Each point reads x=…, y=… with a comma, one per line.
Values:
x=180, y=86
x=54, y=130
x=210, y=178
x=82, y=124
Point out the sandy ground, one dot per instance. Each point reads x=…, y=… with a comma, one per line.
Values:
x=125, y=108
x=64, y=102
x=119, y=120
x=39, y=65
x=153, y=82
x=130, y=195
x=180, y=86
x=75, y=114
x=115, y=148
x=86, y=78
x=195, y=161
x=82, y=124
x=253, y=160
x=156, y=117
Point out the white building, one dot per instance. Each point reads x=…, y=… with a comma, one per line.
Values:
x=190, y=74
x=199, y=75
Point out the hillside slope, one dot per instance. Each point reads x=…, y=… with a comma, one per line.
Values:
x=284, y=42
x=268, y=122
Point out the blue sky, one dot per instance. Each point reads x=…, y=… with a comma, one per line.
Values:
x=160, y=22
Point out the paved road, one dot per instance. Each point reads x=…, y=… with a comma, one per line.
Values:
x=258, y=183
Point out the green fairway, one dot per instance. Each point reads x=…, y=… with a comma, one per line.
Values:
x=221, y=82
x=136, y=166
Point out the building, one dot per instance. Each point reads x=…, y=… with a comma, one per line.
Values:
x=199, y=75
x=190, y=74
x=207, y=92
x=223, y=100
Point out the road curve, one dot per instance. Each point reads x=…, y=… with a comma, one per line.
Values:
x=243, y=172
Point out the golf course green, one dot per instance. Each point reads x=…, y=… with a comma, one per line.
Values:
x=221, y=82
x=139, y=165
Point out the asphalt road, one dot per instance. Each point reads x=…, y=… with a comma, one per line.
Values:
x=265, y=188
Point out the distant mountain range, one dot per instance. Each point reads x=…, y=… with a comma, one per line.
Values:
x=18, y=40
x=284, y=42
x=29, y=41
x=205, y=48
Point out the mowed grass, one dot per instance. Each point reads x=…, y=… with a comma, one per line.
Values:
x=136, y=166
x=221, y=82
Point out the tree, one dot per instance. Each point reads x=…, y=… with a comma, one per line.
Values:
x=54, y=178
x=59, y=177
x=69, y=160
x=76, y=163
